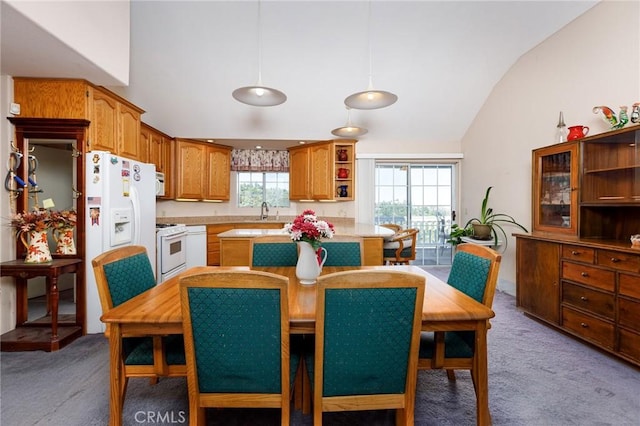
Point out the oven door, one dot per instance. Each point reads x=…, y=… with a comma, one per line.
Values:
x=172, y=250
x=171, y=274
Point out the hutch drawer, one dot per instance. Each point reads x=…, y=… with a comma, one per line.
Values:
x=588, y=327
x=586, y=299
x=629, y=285
x=579, y=254
x=619, y=260
x=629, y=344
x=629, y=313
x=590, y=275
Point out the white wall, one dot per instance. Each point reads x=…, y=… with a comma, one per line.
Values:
x=7, y=245
x=595, y=60
x=97, y=30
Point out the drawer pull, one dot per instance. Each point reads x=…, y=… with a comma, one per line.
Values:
x=584, y=274
x=575, y=253
x=584, y=325
x=584, y=298
x=615, y=260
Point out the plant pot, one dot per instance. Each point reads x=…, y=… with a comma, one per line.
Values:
x=481, y=231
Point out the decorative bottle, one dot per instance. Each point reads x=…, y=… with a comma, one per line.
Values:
x=561, y=129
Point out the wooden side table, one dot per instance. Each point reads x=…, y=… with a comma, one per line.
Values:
x=46, y=333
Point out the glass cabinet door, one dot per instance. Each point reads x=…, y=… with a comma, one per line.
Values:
x=555, y=195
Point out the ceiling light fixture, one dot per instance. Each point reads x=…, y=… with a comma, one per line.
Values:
x=370, y=98
x=259, y=95
x=349, y=130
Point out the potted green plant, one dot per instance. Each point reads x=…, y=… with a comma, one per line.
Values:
x=486, y=226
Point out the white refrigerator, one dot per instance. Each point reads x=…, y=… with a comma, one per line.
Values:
x=120, y=199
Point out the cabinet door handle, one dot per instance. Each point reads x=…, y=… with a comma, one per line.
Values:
x=615, y=260
x=584, y=325
x=575, y=253
x=584, y=298
x=584, y=274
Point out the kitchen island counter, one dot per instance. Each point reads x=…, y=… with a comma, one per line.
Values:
x=359, y=229
x=235, y=243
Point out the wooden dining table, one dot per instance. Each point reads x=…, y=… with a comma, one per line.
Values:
x=157, y=311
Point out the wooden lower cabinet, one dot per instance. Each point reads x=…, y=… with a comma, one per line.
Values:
x=213, y=242
x=598, y=290
x=538, y=288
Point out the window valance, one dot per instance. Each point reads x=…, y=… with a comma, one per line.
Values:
x=259, y=160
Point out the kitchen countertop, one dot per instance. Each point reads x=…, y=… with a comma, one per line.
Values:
x=360, y=229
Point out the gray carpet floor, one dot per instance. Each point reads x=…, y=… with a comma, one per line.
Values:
x=537, y=376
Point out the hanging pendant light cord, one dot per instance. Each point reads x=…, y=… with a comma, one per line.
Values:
x=259, y=43
x=369, y=42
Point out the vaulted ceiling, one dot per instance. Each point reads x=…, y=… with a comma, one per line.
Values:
x=441, y=58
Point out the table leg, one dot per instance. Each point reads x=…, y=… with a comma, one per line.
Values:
x=22, y=303
x=55, y=298
x=116, y=394
x=481, y=379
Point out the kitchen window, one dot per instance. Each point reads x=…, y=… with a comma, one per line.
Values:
x=254, y=188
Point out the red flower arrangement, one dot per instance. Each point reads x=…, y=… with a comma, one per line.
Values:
x=307, y=227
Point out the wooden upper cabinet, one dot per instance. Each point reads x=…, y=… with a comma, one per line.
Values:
x=190, y=169
x=218, y=173
x=128, y=119
x=115, y=122
x=104, y=122
x=52, y=98
x=555, y=188
x=313, y=171
x=299, y=174
x=321, y=156
x=202, y=171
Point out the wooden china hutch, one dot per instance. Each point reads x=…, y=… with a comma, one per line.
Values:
x=578, y=270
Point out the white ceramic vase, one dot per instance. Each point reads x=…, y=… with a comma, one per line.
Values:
x=37, y=247
x=309, y=263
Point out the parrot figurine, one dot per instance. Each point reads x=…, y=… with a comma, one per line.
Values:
x=623, y=118
x=635, y=113
x=609, y=115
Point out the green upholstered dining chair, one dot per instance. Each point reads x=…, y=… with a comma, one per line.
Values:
x=273, y=250
x=474, y=271
x=344, y=250
x=400, y=248
x=236, y=331
x=366, y=343
x=122, y=274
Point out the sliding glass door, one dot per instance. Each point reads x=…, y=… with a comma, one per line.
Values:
x=418, y=195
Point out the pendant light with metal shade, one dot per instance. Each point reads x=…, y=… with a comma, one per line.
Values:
x=259, y=95
x=370, y=98
x=349, y=130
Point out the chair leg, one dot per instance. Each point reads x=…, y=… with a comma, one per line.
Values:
x=451, y=374
x=153, y=380
x=297, y=386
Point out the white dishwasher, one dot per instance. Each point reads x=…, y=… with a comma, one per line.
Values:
x=196, y=245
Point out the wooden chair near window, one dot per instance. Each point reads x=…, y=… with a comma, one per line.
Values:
x=392, y=226
x=400, y=249
x=236, y=332
x=273, y=250
x=366, y=342
x=121, y=274
x=474, y=271
x=344, y=250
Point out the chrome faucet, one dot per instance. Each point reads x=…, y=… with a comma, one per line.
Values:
x=264, y=211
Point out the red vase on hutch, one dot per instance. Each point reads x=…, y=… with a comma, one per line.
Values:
x=577, y=132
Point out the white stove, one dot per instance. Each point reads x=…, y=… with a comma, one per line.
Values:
x=171, y=253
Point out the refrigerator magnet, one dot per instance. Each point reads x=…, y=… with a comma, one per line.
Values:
x=125, y=186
